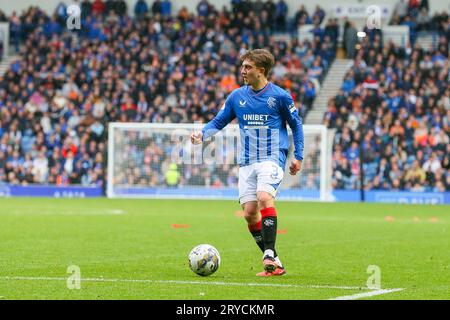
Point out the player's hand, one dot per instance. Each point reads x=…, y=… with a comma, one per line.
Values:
x=296, y=166
x=196, y=137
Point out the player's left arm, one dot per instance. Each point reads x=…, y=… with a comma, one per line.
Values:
x=290, y=113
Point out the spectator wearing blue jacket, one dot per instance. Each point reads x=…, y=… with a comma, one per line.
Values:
x=166, y=8
x=281, y=14
x=140, y=9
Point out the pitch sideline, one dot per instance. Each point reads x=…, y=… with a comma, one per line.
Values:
x=371, y=293
x=367, y=294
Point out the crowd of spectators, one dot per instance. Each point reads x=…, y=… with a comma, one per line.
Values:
x=393, y=114
x=416, y=15
x=159, y=66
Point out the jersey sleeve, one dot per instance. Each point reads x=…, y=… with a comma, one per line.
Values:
x=290, y=113
x=224, y=117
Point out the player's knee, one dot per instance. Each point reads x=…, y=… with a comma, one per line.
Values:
x=265, y=200
x=250, y=209
x=251, y=214
x=252, y=218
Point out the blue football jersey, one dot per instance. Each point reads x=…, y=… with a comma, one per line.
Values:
x=262, y=117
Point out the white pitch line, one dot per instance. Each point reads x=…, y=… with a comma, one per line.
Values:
x=218, y=283
x=367, y=294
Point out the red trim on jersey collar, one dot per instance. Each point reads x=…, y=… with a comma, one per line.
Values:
x=260, y=92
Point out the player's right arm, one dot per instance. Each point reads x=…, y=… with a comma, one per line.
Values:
x=224, y=117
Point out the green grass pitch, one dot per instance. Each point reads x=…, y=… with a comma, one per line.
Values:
x=137, y=249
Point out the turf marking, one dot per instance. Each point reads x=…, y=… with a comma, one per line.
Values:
x=117, y=211
x=218, y=283
x=367, y=294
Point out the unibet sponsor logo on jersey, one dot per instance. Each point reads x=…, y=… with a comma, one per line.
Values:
x=256, y=119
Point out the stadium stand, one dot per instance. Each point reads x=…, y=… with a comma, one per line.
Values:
x=393, y=111
x=57, y=100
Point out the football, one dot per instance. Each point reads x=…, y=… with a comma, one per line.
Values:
x=204, y=260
